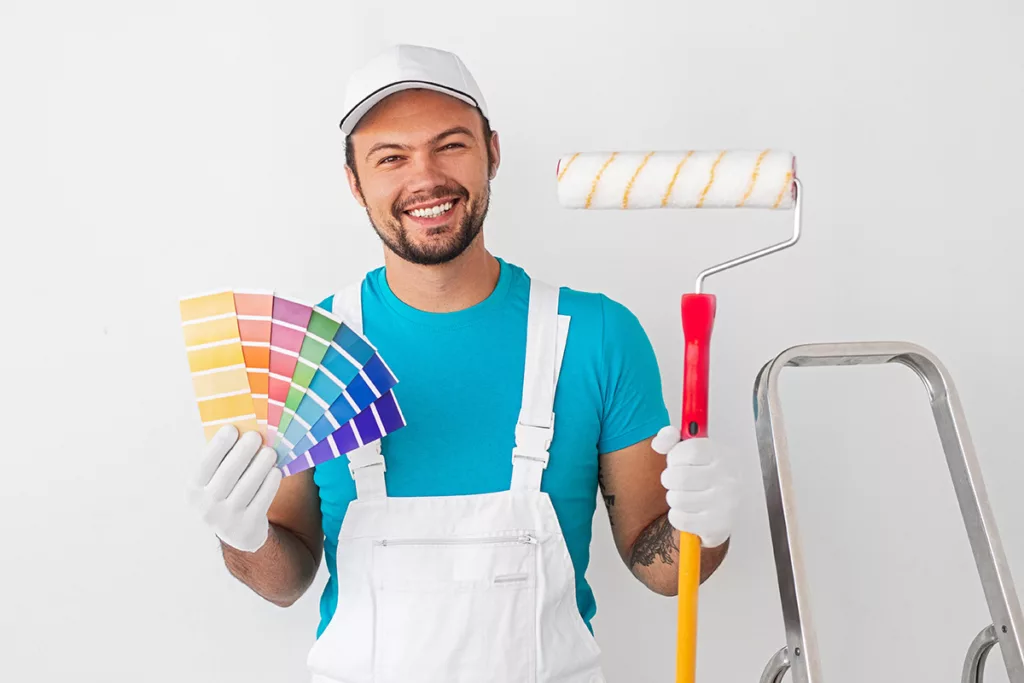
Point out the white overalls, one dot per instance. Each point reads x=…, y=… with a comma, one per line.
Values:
x=461, y=589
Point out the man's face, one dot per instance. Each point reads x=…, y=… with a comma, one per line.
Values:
x=422, y=174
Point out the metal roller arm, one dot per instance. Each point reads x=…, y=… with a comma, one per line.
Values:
x=965, y=473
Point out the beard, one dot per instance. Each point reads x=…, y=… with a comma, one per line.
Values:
x=393, y=233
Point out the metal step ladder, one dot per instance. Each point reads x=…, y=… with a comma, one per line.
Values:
x=800, y=655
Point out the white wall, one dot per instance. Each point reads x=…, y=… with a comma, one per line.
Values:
x=147, y=154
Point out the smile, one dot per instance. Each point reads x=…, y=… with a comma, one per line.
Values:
x=434, y=211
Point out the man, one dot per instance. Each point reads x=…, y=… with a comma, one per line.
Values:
x=457, y=547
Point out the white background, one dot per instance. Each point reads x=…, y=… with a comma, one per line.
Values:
x=153, y=150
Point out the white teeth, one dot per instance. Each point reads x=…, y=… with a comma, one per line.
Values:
x=432, y=211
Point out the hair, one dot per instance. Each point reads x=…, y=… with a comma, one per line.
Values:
x=350, y=155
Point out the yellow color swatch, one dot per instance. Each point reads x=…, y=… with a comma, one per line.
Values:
x=216, y=361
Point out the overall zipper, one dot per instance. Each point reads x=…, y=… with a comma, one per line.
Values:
x=523, y=539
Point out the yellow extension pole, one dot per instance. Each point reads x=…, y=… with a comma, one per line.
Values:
x=689, y=584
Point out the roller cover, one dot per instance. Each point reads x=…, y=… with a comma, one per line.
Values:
x=677, y=180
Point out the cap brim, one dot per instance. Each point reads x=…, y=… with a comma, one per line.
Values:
x=351, y=119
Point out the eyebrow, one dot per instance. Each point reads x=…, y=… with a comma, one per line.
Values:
x=457, y=130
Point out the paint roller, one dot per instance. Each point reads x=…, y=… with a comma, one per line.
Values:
x=691, y=179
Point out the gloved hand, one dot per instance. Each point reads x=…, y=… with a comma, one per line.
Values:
x=702, y=493
x=234, y=486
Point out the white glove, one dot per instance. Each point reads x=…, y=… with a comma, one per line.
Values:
x=702, y=493
x=232, y=490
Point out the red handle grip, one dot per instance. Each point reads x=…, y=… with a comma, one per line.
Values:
x=698, y=320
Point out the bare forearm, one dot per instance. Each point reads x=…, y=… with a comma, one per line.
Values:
x=280, y=571
x=654, y=557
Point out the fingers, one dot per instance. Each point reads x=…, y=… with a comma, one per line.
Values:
x=215, y=451
x=707, y=514
x=682, y=452
x=691, y=452
x=265, y=495
x=234, y=463
x=242, y=494
x=693, y=502
x=690, y=478
x=665, y=439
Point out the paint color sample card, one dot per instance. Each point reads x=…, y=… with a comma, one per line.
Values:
x=348, y=360
x=319, y=333
x=381, y=418
x=217, y=363
x=254, y=310
x=287, y=332
x=368, y=384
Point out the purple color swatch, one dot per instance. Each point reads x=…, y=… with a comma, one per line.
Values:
x=362, y=429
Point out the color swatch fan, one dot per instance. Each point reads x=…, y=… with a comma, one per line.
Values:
x=313, y=387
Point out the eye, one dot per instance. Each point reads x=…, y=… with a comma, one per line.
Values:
x=387, y=160
x=453, y=145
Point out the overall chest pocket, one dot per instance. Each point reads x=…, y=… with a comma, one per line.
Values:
x=456, y=610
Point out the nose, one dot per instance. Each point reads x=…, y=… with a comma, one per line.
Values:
x=424, y=174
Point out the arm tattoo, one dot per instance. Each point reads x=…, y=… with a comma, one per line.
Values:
x=656, y=542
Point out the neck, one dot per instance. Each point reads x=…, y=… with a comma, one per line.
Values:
x=463, y=282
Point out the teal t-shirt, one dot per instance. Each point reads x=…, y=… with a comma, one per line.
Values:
x=460, y=380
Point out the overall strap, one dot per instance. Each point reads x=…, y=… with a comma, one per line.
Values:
x=546, y=334
x=366, y=463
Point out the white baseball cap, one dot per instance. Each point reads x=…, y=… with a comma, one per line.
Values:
x=405, y=67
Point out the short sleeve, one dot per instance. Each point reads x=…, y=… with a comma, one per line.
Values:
x=634, y=405
x=327, y=304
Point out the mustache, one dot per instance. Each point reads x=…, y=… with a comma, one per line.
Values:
x=438, y=192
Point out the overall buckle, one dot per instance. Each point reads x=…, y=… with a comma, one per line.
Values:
x=352, y=468
x=533, y=442
x=365, y=456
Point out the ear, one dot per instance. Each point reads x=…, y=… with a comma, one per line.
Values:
x=495, y=155
x=353, y=186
